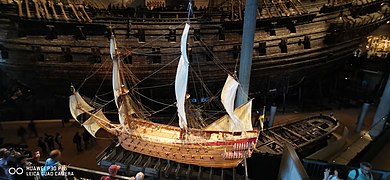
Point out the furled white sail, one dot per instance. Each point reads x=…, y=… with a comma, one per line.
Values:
x=182, y=78
x=243, y=113
x=113, y=47
x=228, y=96
x=116, y=81
x=78, y=105
x=91, y=125
x=119, y=88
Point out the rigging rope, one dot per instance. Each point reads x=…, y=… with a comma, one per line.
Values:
x=101, y=84
x=158, y=102
x=158, y=86
x=101, y=65
x=158, y=38
x=175, y=59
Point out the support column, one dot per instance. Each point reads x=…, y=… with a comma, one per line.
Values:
x=272, y=115
x=362, y=116
x=246, y=54
x=382, y=112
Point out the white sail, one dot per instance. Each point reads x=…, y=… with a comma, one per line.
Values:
x=76, y=103
x=91, y=125
x=228, y=96
x=181, y=79
x=243, y=113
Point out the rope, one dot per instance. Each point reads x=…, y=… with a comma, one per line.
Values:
x=158, y=38
x=158, y=102
x=88, y=77
x=156, y=71
x=215, y=58
x=101, y=84
x=158, y=86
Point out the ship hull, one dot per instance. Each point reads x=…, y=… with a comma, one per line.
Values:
x=197, y=147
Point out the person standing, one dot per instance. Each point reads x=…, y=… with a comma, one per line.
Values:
x=42, y=145
x=77, y=141
x=86, y=138
x=112, y=171
x=22, y=133
x=35, y=158
x=49, y=139
x=139, y=176
x=32, y=129
x=328, y=176
x=52, y=169
x=58, y=140
x=363, y=173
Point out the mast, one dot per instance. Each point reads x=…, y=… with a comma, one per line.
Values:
x=247, y=50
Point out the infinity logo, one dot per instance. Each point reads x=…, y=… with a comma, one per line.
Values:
x=17, y=171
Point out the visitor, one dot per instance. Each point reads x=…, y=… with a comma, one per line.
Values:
x=58, y=140
x=139, y=176
x=22, y=134
x=52, y=166
x=112, y=171
x=86, y=138
x=77, y=141
x=42, y=145
x=328, y=176
x=35, y=158
x=32, y=129
x=49, y=139
x=363, y=173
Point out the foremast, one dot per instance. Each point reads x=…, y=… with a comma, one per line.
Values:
x=120, y=90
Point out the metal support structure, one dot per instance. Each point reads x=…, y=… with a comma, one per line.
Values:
x=177, y=171
x=382, y=112
x=272, y=115
x=234, y=174
x=166, y=170
x=211, y=174
x=246, y=54
x=200, y=173
x=362, y=116
x=246, y=169
x=284, y=99
x=188, y=172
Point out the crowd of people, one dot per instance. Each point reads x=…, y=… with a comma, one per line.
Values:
x=18, y=163
x=14, y=158
x=85, y=137
x=362, y=173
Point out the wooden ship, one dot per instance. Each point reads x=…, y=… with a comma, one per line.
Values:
x=222, y=144
x=299, y=134
x=46, y=43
